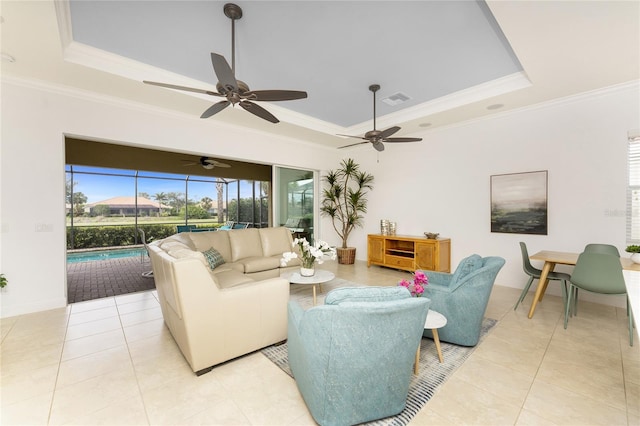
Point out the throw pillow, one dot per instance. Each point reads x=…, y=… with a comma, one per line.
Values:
x=214, y=258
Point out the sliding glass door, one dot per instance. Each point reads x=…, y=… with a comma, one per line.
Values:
x=295, y=201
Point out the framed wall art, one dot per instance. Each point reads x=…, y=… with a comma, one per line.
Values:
x=519, y=203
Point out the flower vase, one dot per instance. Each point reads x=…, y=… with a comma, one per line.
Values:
x=307, y=272
x=635, y=257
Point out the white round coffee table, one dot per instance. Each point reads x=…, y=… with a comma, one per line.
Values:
x=321, y=276
x=434, y=321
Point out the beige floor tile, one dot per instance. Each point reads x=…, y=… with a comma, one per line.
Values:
x=223, y=413
x=566, y=369
x=522, y=334
x=144, y=330
x=6, y=324
x=89, y=396
x=526, y=360
x=528, y=418
x=428, y=417
x=462, y=403
x=28, y=384
x=152, y=372
x=125, y=411
x=92, y=344
x=91, y=328
x=503, y=382
x=82, y=368
x=562, y=406
x=90, y=305
x=16, y=362
x=632, y=391
x=138, y=317
x=175, y=401
x=153, y=347
x=19, y=340
x=631, y=369
x=92, y=315
x=134, y=297
x=32, y=411
x=141, y=305
x=245, y=381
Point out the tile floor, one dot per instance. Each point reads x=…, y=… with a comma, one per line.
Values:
x=112, y=361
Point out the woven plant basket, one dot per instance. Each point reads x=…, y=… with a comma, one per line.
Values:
x=346, y=256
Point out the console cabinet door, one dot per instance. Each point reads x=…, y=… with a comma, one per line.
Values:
x=375, y=248
x=426, y=256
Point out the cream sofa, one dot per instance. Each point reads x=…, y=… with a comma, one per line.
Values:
x=238, y=307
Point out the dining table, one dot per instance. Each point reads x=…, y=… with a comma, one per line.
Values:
x=631, y=272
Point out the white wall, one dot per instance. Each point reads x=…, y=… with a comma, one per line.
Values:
x=34, y=122
x=443, y=183
x=439, y=185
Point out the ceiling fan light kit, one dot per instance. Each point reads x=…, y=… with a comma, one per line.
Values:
x=377, y=137
x=236, y=91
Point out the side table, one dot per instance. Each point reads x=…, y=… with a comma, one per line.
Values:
x=435, y=320
x=321, y=276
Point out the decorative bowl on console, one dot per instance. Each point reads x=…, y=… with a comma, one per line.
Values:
x=431, y=235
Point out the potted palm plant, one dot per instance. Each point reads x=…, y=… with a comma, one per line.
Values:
x=344, y=201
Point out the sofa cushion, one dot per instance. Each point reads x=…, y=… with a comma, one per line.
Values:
x=227, y=279
x=275, y=241
x=213, y=257
x=216, y=239
x=171, y=244
x=466, y=266
x=244, y=243
x=259, y=264
x=182, y=253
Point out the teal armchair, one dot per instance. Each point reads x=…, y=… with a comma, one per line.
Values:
x=352, y=358
x=462, y=298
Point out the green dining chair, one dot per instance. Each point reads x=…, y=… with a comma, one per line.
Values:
x=594, y=248
x=598, y=273
x=602, y=248
x=534, y=274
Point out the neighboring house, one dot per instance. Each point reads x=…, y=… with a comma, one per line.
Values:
x=126, y=206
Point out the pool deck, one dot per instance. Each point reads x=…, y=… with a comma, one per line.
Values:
x=104, y=278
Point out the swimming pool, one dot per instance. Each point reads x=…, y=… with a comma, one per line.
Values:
x=88, y=256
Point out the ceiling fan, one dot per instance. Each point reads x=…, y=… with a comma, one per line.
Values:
x=236, y=91
x=376, y=137
x=206, y=162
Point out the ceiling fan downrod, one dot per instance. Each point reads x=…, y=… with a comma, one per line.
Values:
x=374, y=88
x=233, y=12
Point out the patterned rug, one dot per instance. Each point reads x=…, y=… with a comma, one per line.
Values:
x=423, y=386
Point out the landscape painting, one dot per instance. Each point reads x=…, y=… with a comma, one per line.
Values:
x=519, y=203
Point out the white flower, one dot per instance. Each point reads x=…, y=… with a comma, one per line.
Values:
x=309, y=254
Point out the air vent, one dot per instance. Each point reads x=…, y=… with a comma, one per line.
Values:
x=396, y=99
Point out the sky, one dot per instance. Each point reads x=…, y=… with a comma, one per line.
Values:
x=100, y=187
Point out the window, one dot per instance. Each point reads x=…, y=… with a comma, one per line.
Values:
x=633, y=195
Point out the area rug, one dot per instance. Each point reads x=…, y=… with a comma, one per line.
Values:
x=423, y=386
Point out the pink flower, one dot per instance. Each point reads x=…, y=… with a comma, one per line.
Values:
x=421, y=278
x=416, y=286
x=419, y=289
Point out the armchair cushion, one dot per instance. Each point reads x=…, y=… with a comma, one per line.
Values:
x=352, y=359
x=372, y=294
